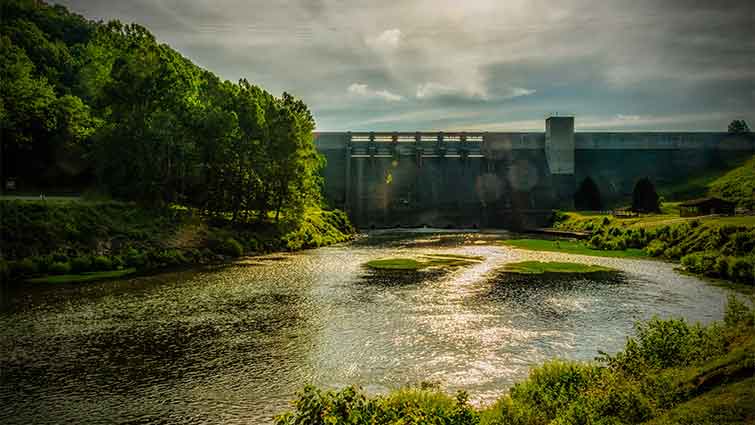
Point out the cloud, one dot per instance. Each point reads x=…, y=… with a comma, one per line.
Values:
x=363, y=90
x=432, y=89
x=480, y=64
x=386, y=41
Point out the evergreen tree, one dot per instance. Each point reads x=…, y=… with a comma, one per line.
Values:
x=644, y=197
x=587, y=197
x=738, y=127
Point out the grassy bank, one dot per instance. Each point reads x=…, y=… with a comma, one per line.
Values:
x=571, y=247
x=714, y=247
x=423, y=262
x=552, y=267
x=670, y=372
x=80, y=241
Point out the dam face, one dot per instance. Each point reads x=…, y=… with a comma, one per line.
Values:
x=503, y=180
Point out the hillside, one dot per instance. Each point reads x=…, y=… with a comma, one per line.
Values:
x=737, y=185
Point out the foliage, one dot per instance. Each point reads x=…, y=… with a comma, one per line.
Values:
x=737, y=185
x=644, y=197
x=587, y=196
x=570, y=247
x=82, y=99
x=738, y=127
x=409, y=406
x=93, y=236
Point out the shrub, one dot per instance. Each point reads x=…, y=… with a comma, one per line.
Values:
x=232, y=248
x=25, y=267
x=59, y=268
x=550, y=387
x=644, y=197
x=101, y=263
x=43, y=263
x=81, y=264
x=135, y=258
x=656, y=248
x=738, y=313
x=740, y=269
x=700, y=262
x=587, y=196
x=667, y=343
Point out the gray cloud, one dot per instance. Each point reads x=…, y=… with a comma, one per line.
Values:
x=441, y=64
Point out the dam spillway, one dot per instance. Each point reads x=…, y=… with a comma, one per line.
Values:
x=504, y=179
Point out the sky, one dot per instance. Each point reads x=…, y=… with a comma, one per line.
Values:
x=474, y=65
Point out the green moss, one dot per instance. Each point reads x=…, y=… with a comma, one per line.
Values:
x=83, y=277
x=571, y=247
x=425, y=261
x=541, y=267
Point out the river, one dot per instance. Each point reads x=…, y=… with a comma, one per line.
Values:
x=234, y=344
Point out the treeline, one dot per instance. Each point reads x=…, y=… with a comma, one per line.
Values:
x=85, y=103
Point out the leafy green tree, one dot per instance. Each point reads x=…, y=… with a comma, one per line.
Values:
x=644, y=197
x=26, y=106
x=738, y=127
x=587, y=196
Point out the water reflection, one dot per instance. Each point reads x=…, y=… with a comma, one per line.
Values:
x=234, y=345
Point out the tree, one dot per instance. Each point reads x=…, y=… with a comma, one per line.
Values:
x=738, y=127
x=587, y=196
x=644, y=197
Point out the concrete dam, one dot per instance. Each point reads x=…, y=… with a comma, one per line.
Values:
x=504, y=180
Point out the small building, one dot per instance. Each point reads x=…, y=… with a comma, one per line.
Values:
x=706, y=206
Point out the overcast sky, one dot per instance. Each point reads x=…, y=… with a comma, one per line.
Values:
x=475, y=64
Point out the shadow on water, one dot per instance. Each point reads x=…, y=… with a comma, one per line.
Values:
x=391, y=278
x=429, y=238
x=535, y=293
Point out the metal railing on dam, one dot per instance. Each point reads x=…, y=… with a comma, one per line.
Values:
x=423, y=145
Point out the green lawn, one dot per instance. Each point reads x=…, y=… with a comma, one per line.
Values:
x=422, y=262
x=541, y=267
x=571, y=247
x=83, y=277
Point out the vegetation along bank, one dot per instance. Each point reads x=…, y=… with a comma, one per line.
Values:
x=71, y=240
x=670, y=372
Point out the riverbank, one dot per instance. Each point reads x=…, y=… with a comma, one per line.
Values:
x=83, y=241
x=670, y=372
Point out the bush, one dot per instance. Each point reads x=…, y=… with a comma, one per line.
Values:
x=645, y=198
x=135, y=258
x=59, y=268
x=587, y=196
x=741, y=269
x=662, y=344
x=656, y=248
x=81, y=264
x=550, y=387
x=232, y=248
x=101, y=263
x=701, y=262
x=25, y=267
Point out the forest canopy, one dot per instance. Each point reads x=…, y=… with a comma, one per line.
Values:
x=86, y=103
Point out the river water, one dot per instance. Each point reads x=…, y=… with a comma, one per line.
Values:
x=233, y=345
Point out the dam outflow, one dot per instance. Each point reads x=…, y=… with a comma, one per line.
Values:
x=504, y=179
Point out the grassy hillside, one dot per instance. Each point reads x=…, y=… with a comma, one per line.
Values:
x=670, y=372
x=722, y=182
x=60, y=238
x=737, y=185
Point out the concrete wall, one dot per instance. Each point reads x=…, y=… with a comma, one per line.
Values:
x=503, y=179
